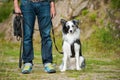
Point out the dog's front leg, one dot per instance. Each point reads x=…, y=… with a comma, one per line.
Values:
x=65, y=55
x=64, y=67
x=77, y=63
x=77, y=56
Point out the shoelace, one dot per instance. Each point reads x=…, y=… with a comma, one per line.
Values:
x=26, y=67
x=50, y=66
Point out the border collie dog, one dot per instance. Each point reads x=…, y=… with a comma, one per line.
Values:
x=72, y=56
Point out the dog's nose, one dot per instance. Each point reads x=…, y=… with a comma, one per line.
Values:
x=70, y=31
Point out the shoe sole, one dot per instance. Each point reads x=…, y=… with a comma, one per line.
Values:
x=50, y=71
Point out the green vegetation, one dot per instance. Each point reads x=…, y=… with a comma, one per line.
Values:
x=103, y=39
x=92, y=16
x=5, y=9
x=97, y=65
x=85, y=12
x=115, y=4
x=101, y=50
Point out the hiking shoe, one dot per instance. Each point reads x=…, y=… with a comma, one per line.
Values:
x=49, y=68
x=27, y=68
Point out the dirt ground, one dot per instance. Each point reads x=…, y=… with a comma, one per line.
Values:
x=97, y=70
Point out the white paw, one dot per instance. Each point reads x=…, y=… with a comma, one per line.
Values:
x=78, y=68
x=62, y=70
x=61, y=66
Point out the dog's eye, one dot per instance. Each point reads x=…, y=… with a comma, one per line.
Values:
x=72, y=25
x=67, y=26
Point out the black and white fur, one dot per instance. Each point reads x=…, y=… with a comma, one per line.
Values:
x=72, y=56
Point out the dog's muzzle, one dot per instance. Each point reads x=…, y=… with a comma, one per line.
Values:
x=71, y=31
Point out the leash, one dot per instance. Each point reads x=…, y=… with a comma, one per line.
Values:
x=20, y=54
x=21, y=45
x=18, y=32
x=55, y=41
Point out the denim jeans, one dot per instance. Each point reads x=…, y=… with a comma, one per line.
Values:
x=42, y=10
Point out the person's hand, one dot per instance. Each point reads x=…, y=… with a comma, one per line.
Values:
x=17, y=10
x=52, y=9
x=17, y=7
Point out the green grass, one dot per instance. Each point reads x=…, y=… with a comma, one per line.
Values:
x=101, y=64
x=115, y=4
x=93, y=16
x=102, y=40
x=6, y=9
x=85, y=12
x=101, y=51
x=96, y=63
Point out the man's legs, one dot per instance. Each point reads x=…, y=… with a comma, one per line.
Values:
x=28, y=28
x=44, y=20
x=46, y=46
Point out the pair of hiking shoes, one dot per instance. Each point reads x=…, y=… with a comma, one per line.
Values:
x=48, y=67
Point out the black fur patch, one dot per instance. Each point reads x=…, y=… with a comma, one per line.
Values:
x=73, y=50
x=76, y=22
x=65, y=29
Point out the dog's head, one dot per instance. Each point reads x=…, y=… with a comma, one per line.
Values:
x=69, y=26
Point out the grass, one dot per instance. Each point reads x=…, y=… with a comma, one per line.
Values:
x=101, y=63
x=101, y=50
x=98, y=66
x=93, y=16
x=115, y=4
x=5, y=10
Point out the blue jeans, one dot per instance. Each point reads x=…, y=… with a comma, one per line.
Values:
x=42, y=10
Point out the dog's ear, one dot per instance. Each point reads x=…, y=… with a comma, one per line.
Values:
x=76, y=22
x=63, y=22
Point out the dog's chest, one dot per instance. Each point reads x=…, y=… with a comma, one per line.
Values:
x=70, y=38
